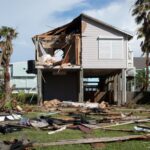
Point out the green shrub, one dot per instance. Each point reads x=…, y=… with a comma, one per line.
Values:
x=8, y=105
x=21, y=97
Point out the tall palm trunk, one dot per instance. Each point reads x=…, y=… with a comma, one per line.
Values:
x=7, y=82
x=7, y=55
x=147, y=70
x=7, y=34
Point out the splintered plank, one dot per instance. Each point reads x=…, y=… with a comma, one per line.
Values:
x=94, y=140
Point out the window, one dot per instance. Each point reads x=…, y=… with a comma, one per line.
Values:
x=110, y=48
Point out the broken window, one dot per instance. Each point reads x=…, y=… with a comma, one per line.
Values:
x=59, y=45
x=58, y=54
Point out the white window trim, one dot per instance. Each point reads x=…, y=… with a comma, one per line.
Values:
x=109, y=38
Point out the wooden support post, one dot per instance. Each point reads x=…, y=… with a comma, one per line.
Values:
x=81, y=90
x=39, y=86
x=124, y=98
x=119, y=89
x=115, y=89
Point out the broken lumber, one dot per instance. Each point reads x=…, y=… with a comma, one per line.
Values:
x=125, y=123
x=82, y=128
x=94, y=140
x=59, y=130
x=116, y=124
x=122, y=130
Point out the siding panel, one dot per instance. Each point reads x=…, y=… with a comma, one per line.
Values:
x=90, y=52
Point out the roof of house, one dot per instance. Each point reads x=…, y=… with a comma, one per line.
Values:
x=107, y=25
x=62, y=28
x=139, y=62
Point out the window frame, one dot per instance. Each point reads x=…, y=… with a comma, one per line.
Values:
x=110, y=39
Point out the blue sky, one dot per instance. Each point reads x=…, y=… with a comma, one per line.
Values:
x=31, y=17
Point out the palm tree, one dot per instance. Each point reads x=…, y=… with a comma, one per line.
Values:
x=141, y=12
x=7, y=34
x=141, y=80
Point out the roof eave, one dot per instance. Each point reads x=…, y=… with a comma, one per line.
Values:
x=130, y=36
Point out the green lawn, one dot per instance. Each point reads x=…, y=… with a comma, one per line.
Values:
x=39, y=136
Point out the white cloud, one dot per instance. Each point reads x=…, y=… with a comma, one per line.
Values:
x=31, y=17
x=119, y=14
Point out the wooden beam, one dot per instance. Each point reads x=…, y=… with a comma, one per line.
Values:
x=77, y=49
x=94, y=140
x=122, y=130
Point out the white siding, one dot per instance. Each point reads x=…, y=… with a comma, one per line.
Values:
x=90, y=47
x=20, y=79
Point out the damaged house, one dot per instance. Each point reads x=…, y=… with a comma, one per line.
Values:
x=83, y=60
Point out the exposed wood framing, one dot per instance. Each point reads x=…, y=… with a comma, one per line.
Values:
x=77, y=49
x=54, y=31
x=35, y=40
x=60, y=30
x=66, y=55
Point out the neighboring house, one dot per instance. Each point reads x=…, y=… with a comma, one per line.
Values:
x=21, y=80
x=86, y=48
x=139, y=63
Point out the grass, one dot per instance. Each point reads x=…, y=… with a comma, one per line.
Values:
x=39, y=136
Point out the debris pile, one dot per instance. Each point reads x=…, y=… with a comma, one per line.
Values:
x=57, y=103
x=85, y=117
x=51, y=103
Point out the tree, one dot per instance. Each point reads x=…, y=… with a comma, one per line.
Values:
x=141, y=12
x=141, y=79
x=7, y=34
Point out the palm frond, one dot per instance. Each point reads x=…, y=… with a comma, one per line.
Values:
x=8, y=32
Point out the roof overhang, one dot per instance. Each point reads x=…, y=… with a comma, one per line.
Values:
x=77, y=20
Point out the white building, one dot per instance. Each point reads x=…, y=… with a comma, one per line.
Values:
x=21, y=80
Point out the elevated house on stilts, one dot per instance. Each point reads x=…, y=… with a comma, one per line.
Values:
x=85, y=59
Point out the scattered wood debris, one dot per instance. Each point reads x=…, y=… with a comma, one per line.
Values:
x=103, y=105
x=98, y=145
x=51, y=103
x=142, y=128
x=59, y=130
x=15, y=145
